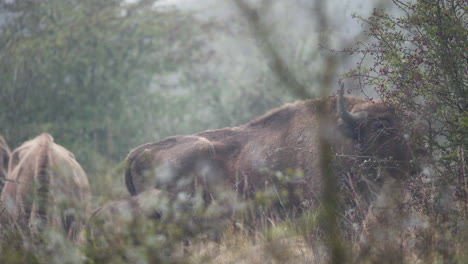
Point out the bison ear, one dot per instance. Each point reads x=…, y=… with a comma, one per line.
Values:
x=348, y=130
x=351, y=129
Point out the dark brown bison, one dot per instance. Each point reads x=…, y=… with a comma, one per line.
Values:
x=248, y=158
x=47, y=188
x=4, y=160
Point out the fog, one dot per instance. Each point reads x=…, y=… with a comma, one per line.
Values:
x=294, y=31
x=121, y=85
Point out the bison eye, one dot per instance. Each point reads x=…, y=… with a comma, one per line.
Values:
x=380, y=124
x=377, y=125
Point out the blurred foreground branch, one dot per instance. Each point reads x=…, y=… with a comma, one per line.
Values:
x=330, y=200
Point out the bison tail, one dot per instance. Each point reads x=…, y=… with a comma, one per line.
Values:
x=38, y=217
x=128, y=177
x=131, y=167
x=71, y=225
x=4, y=160
x=130, y=172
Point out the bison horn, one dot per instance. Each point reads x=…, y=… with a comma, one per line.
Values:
x=347, y=117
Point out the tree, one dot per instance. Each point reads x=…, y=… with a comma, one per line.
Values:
x=418, y=62
x=81, y=71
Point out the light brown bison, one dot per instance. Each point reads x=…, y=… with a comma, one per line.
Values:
x=47, y=188
x=118, y=218
x=4, y=160
x=247, y=158
x=164, y=209
x=147, y=204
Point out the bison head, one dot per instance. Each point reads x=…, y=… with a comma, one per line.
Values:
x=376, y=132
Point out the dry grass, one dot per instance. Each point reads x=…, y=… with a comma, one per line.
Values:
x=241, y=247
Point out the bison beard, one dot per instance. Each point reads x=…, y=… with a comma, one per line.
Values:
x=246, y=158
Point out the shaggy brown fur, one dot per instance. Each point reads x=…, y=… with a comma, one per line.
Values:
x=4, y=160
x=47, y=188
x=245, y=158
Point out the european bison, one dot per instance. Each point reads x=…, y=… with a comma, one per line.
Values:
x=47, y=188
x=4, y=159
x=247, y=158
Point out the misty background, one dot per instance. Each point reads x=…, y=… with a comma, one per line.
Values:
x=105, y=78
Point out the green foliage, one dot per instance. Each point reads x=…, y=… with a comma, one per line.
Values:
x=81, y=71
x=417, y=61
x=96, y=75
x=104, y=78
x=419, y=64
